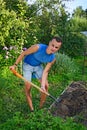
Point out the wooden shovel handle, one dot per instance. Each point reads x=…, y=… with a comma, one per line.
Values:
x=20, y=76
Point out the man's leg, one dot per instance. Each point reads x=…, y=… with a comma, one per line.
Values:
x=27, y=73
x=43, y=96
x=28, y=95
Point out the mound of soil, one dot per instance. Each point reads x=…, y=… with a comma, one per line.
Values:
x=72, y=102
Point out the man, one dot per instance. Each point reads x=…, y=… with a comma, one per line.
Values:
x=34, y=57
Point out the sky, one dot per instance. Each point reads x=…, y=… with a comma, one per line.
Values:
x=75, y=3
x=71, y=5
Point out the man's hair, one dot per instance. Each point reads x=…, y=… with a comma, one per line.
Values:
x=58, y=39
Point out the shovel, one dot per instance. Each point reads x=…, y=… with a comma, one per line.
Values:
x=35, y=86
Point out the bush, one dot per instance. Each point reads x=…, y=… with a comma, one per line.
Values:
x=65, y=66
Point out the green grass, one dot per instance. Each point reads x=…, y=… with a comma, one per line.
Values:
x=14, y=110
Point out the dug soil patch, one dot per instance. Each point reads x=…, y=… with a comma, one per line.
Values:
x=72, y=102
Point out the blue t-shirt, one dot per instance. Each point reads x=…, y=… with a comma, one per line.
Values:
x=39, y=57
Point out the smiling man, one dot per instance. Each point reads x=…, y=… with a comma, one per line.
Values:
x=34, y=57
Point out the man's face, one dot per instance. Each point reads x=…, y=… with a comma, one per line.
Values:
x=54, y=46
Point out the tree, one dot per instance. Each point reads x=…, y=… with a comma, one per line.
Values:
x=79, y=12
x=18, y=6
x=13, y=32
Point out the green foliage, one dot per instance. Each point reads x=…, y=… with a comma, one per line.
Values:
x=22, y=25
x=14, y=111
x=79, y=24
x=40, y=120
x=8, y=55
x=12, y=28
x=65, y=66
x=79, y=12
x=18, y=6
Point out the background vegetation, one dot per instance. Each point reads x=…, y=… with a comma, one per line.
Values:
x=21, y=25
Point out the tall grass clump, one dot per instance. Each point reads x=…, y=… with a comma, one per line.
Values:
x=65, y=66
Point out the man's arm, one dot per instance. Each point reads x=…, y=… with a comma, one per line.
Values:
x=30, y=50
x=45, y=73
